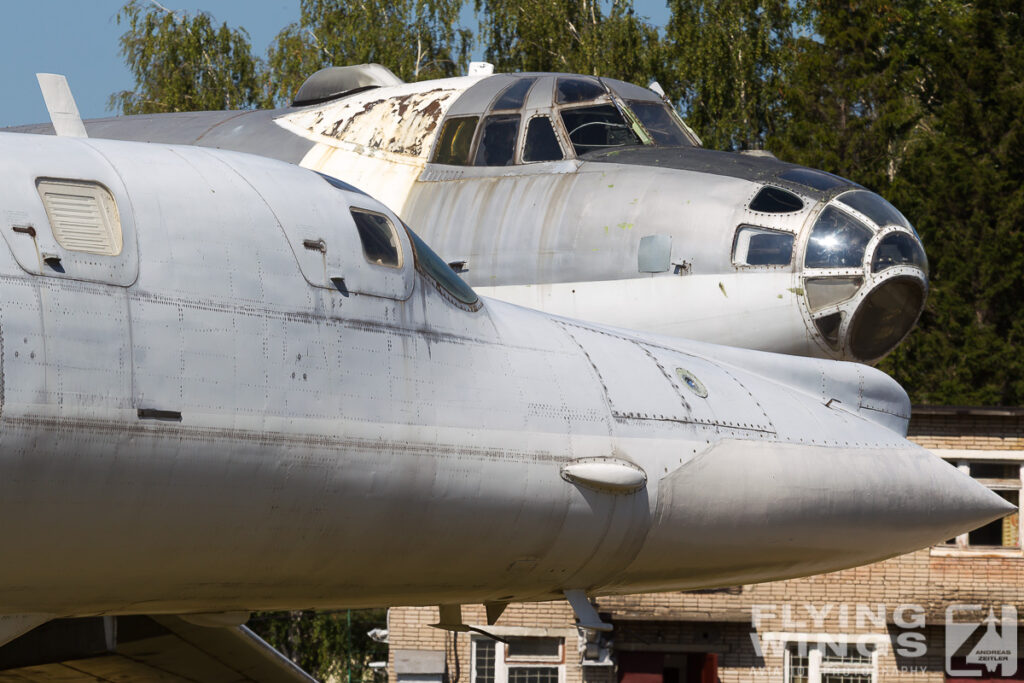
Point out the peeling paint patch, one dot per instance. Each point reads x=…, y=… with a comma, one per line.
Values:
x=403, y=123
x=722, y=287
x=796, y=290
x=625, y=226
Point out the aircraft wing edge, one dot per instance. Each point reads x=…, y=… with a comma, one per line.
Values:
x=163, y=647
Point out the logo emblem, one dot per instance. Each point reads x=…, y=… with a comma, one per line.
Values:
x=975, y=645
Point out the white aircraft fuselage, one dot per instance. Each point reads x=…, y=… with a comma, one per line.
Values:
x=589, y=198
x=229, y=384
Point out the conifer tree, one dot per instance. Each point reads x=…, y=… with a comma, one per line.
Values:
x=962, y=182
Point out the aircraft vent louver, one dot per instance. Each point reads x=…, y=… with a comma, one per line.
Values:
x=775, y=200
x=83, y=216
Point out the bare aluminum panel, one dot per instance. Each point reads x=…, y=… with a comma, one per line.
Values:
x=654, y=254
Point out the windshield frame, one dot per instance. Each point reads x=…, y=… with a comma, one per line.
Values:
x=445, y=280
x=845, y=249
x=671, y=115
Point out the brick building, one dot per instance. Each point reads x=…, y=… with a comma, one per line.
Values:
x=874, y=624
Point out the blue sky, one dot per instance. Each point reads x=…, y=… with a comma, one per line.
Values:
x=79, y=38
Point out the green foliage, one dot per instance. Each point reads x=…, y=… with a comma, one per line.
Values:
x=918, y=100
x=575, y=36
x=184, y=63
x=853, y=95
x=728, y=61
x=963, y=183
x=325, y=644
x=921, y=101
x=417, y=39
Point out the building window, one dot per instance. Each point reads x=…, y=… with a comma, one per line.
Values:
x=520, y=660
x=533, y=674
x=1002, y=535
x=831, y=662
x=419, y=666
x=483, y=660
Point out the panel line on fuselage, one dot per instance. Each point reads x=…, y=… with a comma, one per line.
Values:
x=437, y=450
x=264, y=310
x=646, y=350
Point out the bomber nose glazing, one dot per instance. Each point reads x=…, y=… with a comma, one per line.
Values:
x=865, y=275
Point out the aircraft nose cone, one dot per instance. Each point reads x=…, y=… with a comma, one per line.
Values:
x=885, y=317
x=943, y=502
x=737, y=514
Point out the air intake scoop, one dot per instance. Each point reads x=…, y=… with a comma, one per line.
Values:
x=337, y=81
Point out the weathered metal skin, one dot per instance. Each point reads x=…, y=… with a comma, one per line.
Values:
x=565, y=235
x=206, y=422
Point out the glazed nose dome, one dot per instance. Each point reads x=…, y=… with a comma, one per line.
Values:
x=866, y=275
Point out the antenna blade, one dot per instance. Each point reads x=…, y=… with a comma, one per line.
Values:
x=61, y=104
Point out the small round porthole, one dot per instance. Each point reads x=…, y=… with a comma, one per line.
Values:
x=691, y=381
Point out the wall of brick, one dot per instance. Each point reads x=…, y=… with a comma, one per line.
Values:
x=975, y=432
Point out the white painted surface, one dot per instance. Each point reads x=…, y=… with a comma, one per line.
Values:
x=338, y=451
x=608, y=475
x=60, y=104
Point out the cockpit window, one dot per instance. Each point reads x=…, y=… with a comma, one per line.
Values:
x=595, y=128
x=435, y=269
x=541, y=143
x=874, y=207
x=514, y=95
x=898, y=249
x=819, y=180
x=380, y=241
x=571, y=90
x=455, y=140
x=838, y=240
x=660, y=123
x=497, y=144
x=775, y=200
x=755, y=246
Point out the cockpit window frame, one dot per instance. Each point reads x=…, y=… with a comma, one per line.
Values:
x=919, y=258
x=432, y=268
x=530, y=81
x=874, y=207
x=627, y=124
x=846, y=249
x=555, y=129
x=557, y=100
x=397, y=243
x=481, y=131
x=470, y=154
x=632, y=106
x=739, y=244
